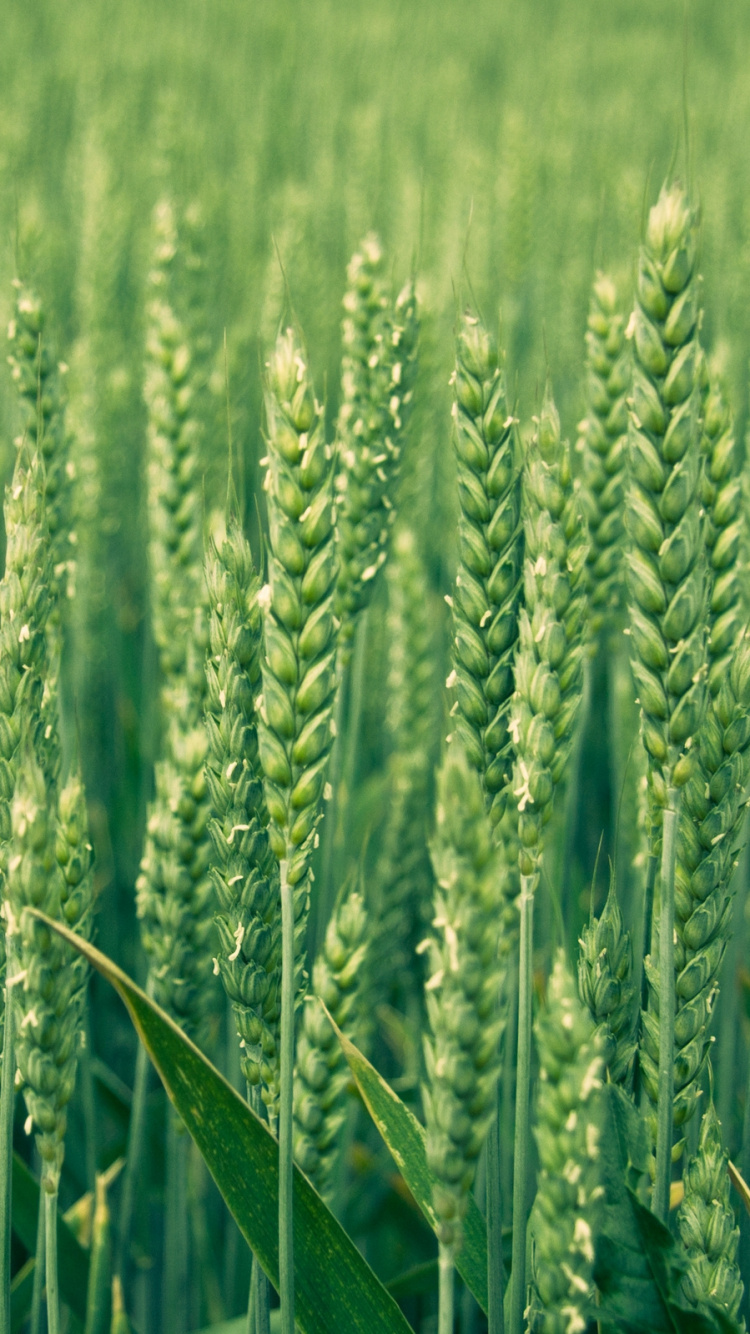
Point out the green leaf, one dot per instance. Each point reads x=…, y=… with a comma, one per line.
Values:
x=405, y=1138
x=638, y=1262
x=72, y=1259
x=334, y=1286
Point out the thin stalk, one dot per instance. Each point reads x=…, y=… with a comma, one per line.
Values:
x=342, y=775
x=445, y=1290
x=259, y=1301
x=136, y=1133
x=326, y=891
x=252, y=1299
x=174, y=1316
x=495, y=1317
x=660, y=1198
x=729, y=1000
x=507, y=1095
x=286, y=1163
x=50, y=1247
x=87, y=1097
x=7, y=1105
x=744, y=1165
x=648, y=919
x=35, y=1322
x=522, y=1137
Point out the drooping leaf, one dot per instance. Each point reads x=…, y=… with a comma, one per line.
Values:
x=334, y=1286
x=72, y=1259
x=639, y=1263
x=405, y=1139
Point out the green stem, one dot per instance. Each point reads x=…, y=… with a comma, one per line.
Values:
x=729, y=1028
x=744, y=1166
x=341, y=776
x=495, y=1318
x=648, y=918
x=326, y=891
x=259, y=1302
x=50, y=1247
x=665, y=1112
x=445, y=1292
x=35, y=1322
x=87, y=1097
x=174, y=1316
x=286, y=1164
x=136, y=1133
x=522, y=1137
x=507, y=1093
x=7, y=1105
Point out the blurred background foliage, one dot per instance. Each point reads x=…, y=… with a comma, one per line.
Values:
x=504, y=149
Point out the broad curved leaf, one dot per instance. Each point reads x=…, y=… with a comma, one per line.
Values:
x=405, y=1138
x=335, y=1289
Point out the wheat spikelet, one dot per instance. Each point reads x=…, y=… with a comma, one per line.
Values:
x=563, y=1219
x=602, y=444
x=462, y=993
x=378, y=372
x=321, y=1074
x=549, y=658
x=244, y=870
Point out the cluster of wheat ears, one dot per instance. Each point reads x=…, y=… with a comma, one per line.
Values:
x=622, y=1214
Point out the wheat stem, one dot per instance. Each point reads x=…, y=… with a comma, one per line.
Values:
x=495, y=1320
x=286, y=1130
x=136, y=1132
x=50, y=1247
x=259, y=1300
x=7, y=1103
x=35, y=1319
x=660, y=1198
x=522, y=1139
x=175, y=1230
x=445, y=1289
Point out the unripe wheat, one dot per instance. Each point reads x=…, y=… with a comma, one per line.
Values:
x=563, y=1219
x=603, y=443
x=550, y=654
x=488, y=580
x=300, y=636
x=378, y=373
x=463, y=993
x=244, y=871
x=321, y=1074
x=707, y=1225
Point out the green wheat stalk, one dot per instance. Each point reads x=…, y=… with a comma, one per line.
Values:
x=296, y=708
x=464, y=1007
x=567, y=1130
x=666, y=566
x=549, y=686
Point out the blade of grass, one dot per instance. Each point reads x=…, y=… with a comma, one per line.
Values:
x=334, y=1286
